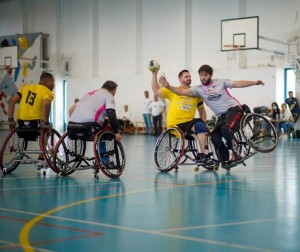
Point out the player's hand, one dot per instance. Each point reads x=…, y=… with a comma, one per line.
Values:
x=164, y=81
x=12, y=125
x=45, y=125
x=118, y=137
x=259, y=82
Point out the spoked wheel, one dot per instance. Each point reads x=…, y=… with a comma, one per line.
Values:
x=259, y=132
x=169, y=149
x=11, y=152
x=109, y=154
x=68, y=154
x=48, y=141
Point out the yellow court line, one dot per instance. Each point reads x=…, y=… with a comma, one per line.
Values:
x=24, y=234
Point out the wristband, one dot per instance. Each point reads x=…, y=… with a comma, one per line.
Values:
x=11, y=119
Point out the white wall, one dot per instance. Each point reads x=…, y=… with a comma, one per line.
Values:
x=115, y=40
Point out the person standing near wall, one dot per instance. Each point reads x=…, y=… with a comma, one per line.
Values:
x=157, y=109
x=147, y=114
x=293, y=105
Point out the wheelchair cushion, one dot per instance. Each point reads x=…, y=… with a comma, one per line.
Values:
x=85, y=131
x=28, y=130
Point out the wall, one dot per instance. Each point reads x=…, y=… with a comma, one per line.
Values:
x=115, y=40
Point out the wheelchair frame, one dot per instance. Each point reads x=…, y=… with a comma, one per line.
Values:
x=254, y=134
x=109, y=156
x=15, y=149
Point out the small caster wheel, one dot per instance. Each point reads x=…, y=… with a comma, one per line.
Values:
x=44, y=173
x=176, y=169
x=95, y=175
x=196, y=169
x=4, y=171
x=60, y=174
x=216, y=168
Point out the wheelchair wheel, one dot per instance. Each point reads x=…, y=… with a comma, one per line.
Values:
x=109, y=154
x=169, y=149
x=11, y=152
x=259, y=132
x=68, y=155
x=48, y=141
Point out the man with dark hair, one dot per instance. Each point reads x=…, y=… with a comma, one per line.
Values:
x=35, y=101
x=215, y=95
x=96, y=105
x=182, y=110
x=293, y=105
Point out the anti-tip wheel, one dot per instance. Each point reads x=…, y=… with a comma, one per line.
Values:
x=60, y=174
x=196, y=169
x=44, y=173
x=4, y=171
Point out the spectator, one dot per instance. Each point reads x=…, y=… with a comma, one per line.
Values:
x=125, y=122
x=293, y=105
x=147, y=114
x=275, y=111
x=286, y=118
x=157, y=108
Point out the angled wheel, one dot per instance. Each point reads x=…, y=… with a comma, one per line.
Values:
x=109, y=154
x=68, y=154
x=48, y=141
x=259, y=132
x=11, y=152
x=169, y=149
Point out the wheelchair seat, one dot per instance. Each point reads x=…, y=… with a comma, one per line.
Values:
x=83, y=131
x=28, y=130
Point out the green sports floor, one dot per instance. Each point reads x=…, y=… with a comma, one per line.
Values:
x=251, y=208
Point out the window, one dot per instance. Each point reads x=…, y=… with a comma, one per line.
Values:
x=289, y=81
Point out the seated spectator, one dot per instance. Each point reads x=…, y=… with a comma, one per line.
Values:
x=287, y=120
x=275, y=111
x=126, y=124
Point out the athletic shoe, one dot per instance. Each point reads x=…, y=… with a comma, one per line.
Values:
x=204, y=160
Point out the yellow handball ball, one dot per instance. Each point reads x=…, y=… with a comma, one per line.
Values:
x=153, y=65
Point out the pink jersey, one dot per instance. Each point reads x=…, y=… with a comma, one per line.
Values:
x=92, y=106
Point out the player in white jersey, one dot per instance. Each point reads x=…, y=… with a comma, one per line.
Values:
x=215, y=95
x=96, y=105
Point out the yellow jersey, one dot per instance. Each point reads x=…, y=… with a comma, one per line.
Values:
x=182, y=108
x=31, y=103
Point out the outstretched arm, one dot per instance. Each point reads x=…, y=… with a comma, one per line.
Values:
x=154, y=83
x=178, y=91
x=244, y=83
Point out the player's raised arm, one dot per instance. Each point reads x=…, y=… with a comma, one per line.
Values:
x=178, y=91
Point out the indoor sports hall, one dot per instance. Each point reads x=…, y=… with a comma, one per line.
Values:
x=146, y=206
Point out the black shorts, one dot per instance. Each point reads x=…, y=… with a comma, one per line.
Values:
x=187, y=126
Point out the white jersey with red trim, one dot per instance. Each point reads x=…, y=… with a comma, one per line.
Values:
x=216, y=96
x=92, y=106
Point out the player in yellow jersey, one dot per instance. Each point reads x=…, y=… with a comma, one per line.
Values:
x=181, y=112
x=34, y=102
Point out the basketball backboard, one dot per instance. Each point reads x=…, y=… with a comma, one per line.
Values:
x=9, y=57
x=239, y=34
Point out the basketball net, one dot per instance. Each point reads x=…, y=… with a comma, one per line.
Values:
x=231, y=53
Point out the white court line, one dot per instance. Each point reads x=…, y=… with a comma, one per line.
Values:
x=149, y=232
x=229, y=224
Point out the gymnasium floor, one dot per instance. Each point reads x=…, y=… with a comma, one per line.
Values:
x=252, y=208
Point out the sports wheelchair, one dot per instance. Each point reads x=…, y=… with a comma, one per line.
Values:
x=70, y=153
x=254, y=133
x=28, y=144
x=174, y=147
